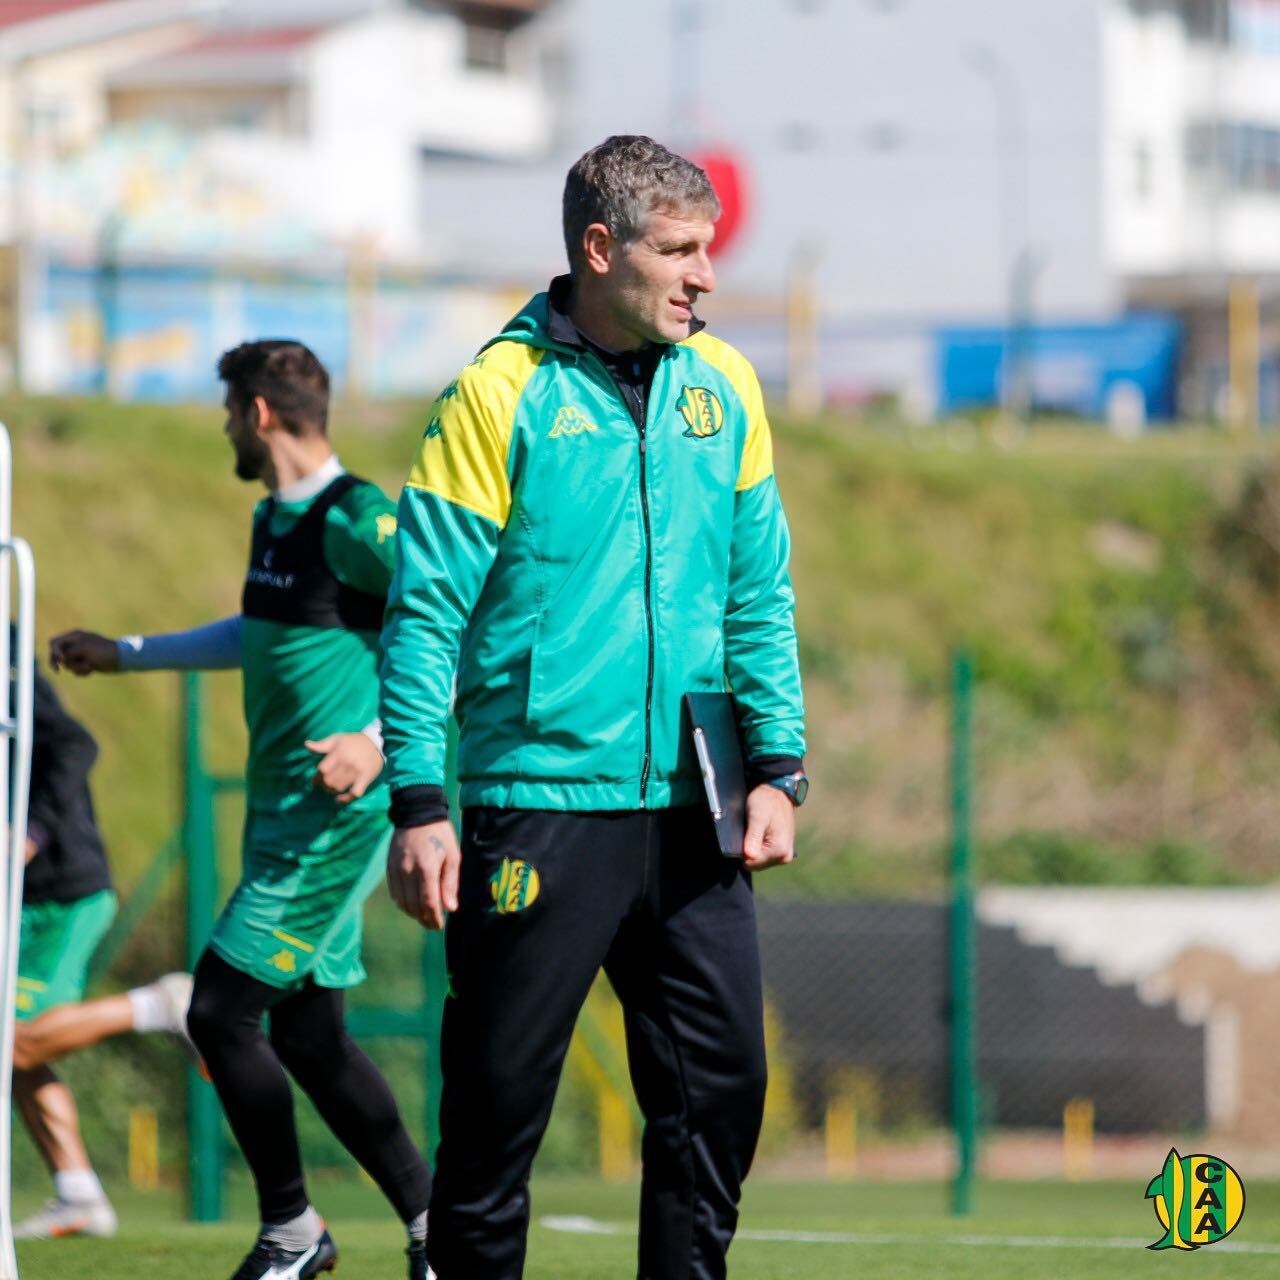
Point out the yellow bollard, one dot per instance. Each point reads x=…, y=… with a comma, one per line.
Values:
x=615, y=1134
x=144, y=1149
x=1244, y=327
x=841, y=1133
x=1077, y=1139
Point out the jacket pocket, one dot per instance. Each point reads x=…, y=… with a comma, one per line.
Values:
x=586, y=690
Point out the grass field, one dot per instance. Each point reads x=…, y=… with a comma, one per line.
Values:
x=1023, y=1230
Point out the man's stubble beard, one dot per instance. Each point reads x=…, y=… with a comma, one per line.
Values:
x=248, y=465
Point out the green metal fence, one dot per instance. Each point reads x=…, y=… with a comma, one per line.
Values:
x=826, y=1077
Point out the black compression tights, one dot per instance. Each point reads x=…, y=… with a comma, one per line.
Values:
x=309, y=1039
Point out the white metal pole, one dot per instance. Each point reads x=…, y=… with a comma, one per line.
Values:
x=15, y=726
x=11, y=918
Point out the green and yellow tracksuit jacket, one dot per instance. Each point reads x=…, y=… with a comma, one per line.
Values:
x=576, y=574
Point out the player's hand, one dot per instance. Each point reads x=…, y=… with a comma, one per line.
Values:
x=422, y=872
x=30, y=851
x=771, y=829
x=83, y=652
x=349, y=763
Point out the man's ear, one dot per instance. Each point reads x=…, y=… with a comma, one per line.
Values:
x=264, y=416
x=597, y=248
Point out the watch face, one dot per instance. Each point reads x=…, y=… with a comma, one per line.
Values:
x=800, y=789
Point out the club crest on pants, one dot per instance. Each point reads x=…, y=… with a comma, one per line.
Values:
x=514, y=886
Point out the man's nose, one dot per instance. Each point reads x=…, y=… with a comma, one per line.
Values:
x=703, y=275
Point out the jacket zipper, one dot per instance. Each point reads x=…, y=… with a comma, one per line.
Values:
x=648, y=574
x=648, y=609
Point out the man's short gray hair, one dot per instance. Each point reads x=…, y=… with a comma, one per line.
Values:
x=623, y=180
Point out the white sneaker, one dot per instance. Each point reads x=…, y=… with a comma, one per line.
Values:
x=68, y=1218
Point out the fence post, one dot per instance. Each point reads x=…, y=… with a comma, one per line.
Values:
x=963, y=979
x=204, y=1121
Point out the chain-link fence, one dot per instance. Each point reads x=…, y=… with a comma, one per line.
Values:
x=1122, y=978
x=1110, y=1019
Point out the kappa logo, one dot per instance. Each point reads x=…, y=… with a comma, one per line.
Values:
x=386, y=526
x=285, y=961
x=702, y=410
x=514, y=886
x=570, y=422
x=1199, y=1200
x=434, y=427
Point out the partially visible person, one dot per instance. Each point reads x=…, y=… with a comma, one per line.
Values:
x=68, y=904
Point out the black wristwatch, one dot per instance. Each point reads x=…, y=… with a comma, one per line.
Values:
x=795, y=785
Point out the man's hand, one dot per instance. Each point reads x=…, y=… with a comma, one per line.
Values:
x=83, y=652
x=349, y=763
x=422, y=872
x=771, y=829
x=31, y=850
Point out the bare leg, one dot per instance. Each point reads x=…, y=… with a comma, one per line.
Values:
x=67, y=1028
x=50, y=1114
x=80, y=1206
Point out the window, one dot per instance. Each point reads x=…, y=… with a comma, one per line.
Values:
x=1235, y=155
x=486, y=46
x=1202, y=19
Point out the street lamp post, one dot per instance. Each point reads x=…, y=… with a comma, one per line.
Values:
x=687, y=18
x=1019, y=263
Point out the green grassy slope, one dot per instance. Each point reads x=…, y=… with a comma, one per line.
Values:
x=1117, y=597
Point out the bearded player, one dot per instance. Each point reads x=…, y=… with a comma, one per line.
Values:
x=288, y=941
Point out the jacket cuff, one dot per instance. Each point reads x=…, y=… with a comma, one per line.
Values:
x=763, y=768
x=416, y=806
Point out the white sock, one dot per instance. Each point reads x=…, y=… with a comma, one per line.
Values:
x=78, y=1186
x=417, y=1228
x=150, y=1011
x=298, y=1233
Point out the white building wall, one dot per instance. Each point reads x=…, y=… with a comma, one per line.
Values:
x=1158, y=83
x=384, y=89
x=912, y=229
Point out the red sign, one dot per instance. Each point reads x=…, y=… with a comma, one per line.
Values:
x=728, y=179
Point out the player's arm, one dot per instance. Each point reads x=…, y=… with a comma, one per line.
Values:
x=213, y=647
x=62, y=753
x=761, y=653
x=451, y=516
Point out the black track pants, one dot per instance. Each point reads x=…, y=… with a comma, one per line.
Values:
x=649, y=897
x=309, y=1038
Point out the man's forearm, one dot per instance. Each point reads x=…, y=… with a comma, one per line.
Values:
x=214, y=647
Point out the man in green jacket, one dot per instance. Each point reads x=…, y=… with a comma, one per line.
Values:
x=591, y=530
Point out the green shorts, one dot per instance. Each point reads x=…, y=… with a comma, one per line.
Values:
x=297, y=911
x=57, y=942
